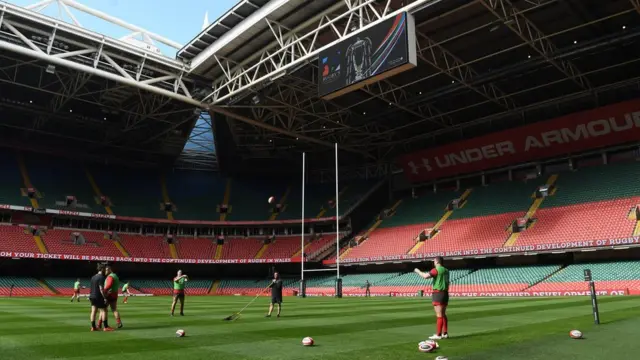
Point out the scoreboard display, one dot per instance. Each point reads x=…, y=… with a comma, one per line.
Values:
x=368, y=56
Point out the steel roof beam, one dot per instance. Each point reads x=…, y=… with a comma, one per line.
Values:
x=292, y=49
x=250, y=121
x=520, y=25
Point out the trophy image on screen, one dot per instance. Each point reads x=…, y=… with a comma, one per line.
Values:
x=358, y=60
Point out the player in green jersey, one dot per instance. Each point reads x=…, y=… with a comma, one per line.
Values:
x=178, y=291
x=76, y=291
x=125, y=292
x=440, y=297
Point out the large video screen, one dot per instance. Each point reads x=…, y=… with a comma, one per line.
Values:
x=368, y=56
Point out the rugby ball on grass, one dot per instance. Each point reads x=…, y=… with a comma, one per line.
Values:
x=180, y=333
x=425, y=347
x=432, y=343
x=441, y=358
x=575, y=334
x=308, y=341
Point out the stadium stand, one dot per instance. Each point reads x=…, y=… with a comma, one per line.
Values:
x=132, y=192
x=502, y=279
x=589, y=204
x=608, y=276
x=145, y=246
x=165, y=287
x=11, y=181
x=59, y=241
x=55, y=180
x=241, y=248
x=195, y=194
x=196, y=248
x=23, y=286
x=14, y=238
x=282, y=247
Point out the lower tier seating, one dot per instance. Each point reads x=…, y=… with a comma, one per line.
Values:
x=608, y=276
x=22, y=286
x=165, y=287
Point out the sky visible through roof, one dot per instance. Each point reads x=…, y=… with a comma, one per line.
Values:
x=179, y=21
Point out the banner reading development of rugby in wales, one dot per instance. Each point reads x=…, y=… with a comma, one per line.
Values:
x=524, y=249
x=28, y=255
x=574, y=133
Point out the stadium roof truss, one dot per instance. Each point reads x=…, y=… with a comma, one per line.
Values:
x=114, y=96
x=483, y=65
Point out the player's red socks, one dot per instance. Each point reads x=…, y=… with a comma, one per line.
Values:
x=445, y=325
x=439, y=324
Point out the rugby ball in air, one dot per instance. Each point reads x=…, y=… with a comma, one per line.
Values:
x=575, y=334
x=308, y=341
x=180, y=333
x=425, y=347
x=271, y=200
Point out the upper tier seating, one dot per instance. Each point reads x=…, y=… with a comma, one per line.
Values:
x=132, y=192
x=196, y=194
x=283, y=247
x=11, y=181
x=196, y=248
x=58, y=241
x=498, y=198
x=139, y=192
x=587, y=221
x=241, y=248
x=145, y=246
x=425, y=209
x=472, y=233
x=13, y=238
x=387, y=241
x=55, y=180
x=593, y=184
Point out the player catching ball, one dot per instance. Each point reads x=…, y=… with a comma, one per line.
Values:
x=276, y=294
x=178, y=292
x=440, y=297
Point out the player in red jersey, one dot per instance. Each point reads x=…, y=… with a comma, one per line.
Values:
x=440, y=297
x=111, y=286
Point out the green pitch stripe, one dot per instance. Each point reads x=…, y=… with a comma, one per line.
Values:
x=344, y=328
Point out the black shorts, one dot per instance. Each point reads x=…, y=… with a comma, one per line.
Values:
x=440, y=298
x=98, y=302
x=179, y=295
x=276, y=299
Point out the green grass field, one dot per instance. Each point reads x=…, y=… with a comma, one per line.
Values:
x=348, y=328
